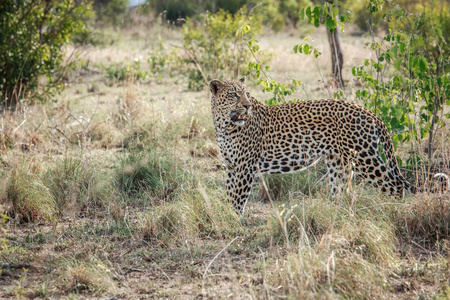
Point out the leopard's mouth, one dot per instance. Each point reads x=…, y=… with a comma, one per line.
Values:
x=238, y=119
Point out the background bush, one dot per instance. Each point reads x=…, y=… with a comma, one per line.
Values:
x=214, y=50
x=110, y=11
x=31, y=38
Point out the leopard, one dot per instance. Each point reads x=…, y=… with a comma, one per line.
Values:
x=254, y=138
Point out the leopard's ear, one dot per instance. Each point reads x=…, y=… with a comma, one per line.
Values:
x=215, y=85
x=242, y=80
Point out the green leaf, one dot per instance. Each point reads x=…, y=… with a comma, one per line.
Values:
x=394, y=50
x=317, y=53
x=397, y=63
x=308, y=13
x=301, y=14
x=331, y=24
x=423, y=64
x=307, y=49
x=316, y=22
x=402, y=47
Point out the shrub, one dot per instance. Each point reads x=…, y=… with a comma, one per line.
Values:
x=31, y=38
x=175, y=9
x=110, y=11
x=120, y=72
x=408, y=77
x=276, y=13
x=214, y=50
x=161, y=61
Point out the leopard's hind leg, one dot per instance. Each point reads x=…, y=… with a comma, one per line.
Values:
x=340, y=173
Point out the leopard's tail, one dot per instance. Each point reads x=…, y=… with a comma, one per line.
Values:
x=393, y=171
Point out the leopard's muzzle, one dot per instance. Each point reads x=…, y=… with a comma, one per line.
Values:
x=239, y=117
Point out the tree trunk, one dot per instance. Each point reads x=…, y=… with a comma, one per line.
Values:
x=337, y=58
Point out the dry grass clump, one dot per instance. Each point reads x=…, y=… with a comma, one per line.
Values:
x=91, y=275
x=30, y=198
x=69, y=184
x=424, y=219
x=293, y=222
x=209, y=213
x=354, y=228
x=198, y=213
x=321, y=272
x=105, y=135
x=335, y=249
x=165, y=223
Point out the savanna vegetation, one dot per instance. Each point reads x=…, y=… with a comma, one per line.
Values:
x=111, y=184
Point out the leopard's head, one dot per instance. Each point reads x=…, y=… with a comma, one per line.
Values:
x=229, y=101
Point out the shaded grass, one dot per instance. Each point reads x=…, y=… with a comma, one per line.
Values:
x=287, y=186
x=151, y=172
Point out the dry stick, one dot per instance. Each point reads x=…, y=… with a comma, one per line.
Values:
x=433, y=121
x=323, y=80
x=377, y=52
x=283, y=225
x=131, y=271
x=210, y=263
x=194, y=60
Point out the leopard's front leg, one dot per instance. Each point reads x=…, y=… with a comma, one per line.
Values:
x=239, y=185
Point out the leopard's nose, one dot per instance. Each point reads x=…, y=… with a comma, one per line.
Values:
x=247, y=106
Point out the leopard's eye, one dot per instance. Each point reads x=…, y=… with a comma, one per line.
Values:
x=234, y=96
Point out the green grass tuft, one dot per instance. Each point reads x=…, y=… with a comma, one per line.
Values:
x=30, y=198
x=148, y=171
x=75, y=184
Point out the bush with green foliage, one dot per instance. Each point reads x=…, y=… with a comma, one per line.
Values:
x=279, y=13
x=32, y=34
x=3, y=219
x=121, y=72
x=175, y=9
x=110, y=11
x=213, y=47
x=408, y=77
